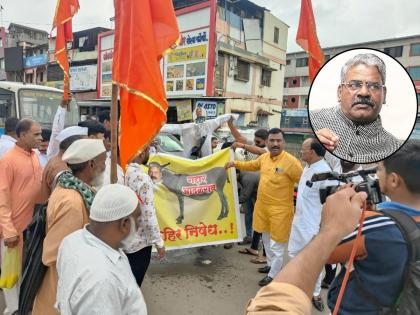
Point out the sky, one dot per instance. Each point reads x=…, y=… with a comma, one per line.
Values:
x=339, y=22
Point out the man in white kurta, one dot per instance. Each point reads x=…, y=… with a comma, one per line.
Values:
x=94, y=275
x=8, y=140
x=307, y=218
x=192, y=133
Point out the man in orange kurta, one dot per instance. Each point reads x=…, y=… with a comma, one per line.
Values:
x=68, y=211
x=20, y=188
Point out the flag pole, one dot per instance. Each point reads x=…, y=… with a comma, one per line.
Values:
x=114, y=133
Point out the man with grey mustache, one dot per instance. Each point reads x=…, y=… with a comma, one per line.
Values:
x=353, y=130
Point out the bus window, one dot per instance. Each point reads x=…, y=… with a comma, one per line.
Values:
x=41, y=106
x=7, y=107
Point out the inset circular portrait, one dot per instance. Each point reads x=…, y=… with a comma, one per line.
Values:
x=362, y=105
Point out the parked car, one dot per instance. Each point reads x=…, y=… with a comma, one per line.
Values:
x=169, y=144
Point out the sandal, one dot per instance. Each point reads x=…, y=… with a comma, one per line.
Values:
x=258, y=260
x=248, y=251
x=318, y=303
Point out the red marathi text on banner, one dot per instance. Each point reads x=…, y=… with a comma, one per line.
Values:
x=189, y=231
x=198, y=190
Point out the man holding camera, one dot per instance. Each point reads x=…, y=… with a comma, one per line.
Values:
x=376, y=283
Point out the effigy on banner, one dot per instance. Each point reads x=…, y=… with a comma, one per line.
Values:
x=196, y=201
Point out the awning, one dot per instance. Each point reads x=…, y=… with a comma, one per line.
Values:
x=240, y=110
x=262, y=112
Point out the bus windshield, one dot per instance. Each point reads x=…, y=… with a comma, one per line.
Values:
x=41, y=106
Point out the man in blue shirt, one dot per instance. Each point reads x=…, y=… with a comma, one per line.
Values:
x=381, y=257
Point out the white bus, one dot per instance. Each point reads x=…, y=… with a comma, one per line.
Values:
x=33, y=101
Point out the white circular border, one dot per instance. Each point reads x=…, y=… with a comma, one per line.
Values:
x=398, y=114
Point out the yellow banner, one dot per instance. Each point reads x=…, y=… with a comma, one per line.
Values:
x=196, y=200
x=187, y=54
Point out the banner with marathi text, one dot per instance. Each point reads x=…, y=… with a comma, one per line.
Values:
x=196, y=200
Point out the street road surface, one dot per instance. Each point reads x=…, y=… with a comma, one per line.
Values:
x=206, y=281
x=209, y=280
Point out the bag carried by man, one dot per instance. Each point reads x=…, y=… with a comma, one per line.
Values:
x=196, y=150
x=408, y=302
x=33, y=270
x=10, y=268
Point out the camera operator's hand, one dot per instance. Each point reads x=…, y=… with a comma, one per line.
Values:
x=341, y=212
x=328, y=138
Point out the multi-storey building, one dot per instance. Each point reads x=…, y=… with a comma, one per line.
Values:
x=35, y=64
x=231, y=59
x=83, y=58
x=23, y=52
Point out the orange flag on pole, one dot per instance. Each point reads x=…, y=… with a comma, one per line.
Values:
x=307, y=39
x=64, y=12
x=144, y=30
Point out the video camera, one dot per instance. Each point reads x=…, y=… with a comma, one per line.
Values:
x=368, y=185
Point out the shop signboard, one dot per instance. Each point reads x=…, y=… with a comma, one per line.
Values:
x=185, y=68
x=210, y=108
x=83, y=78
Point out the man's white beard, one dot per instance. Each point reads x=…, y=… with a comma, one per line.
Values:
x=126, y=243
x=98, y=180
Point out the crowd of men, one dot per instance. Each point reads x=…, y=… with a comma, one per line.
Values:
x=99, y=236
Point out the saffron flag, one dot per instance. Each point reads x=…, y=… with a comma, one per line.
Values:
x=307, y=39
x=64, y=12
x=144, y=31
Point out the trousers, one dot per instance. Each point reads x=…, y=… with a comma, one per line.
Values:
x=317, y=290
x=275, y=253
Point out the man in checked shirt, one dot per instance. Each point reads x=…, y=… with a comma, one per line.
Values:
x=353, y=130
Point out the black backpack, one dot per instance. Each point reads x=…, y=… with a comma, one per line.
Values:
x=408, y=302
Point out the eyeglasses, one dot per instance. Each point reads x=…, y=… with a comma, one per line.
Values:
x=357, y=85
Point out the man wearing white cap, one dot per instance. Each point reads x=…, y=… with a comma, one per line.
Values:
x=56, y=166
x=94, y=273
x=68, y=209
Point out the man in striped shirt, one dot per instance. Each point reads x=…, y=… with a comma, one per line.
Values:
x=382, y=254
x=353, y=130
